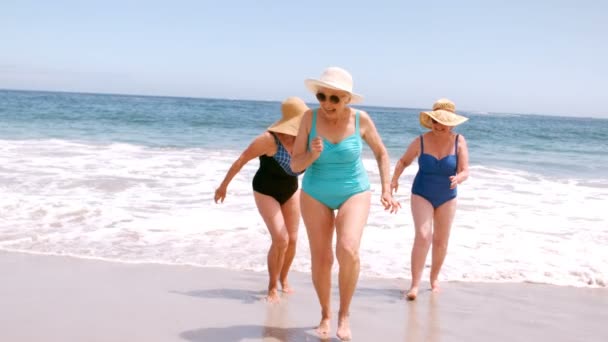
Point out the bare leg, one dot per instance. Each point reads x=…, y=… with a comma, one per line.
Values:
x=422, y=213
x=270, y=210
x=319, y=222
x=351, y=219
x=291, y=213
x=442, y=223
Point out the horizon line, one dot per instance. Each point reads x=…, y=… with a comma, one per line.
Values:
x=477, y=112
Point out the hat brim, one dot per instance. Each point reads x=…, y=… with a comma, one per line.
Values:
x=314, y=85
x=444, y=117
x=289, y=126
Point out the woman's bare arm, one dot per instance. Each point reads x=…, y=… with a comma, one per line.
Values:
x=302, y=155
x=462, y=173
x=408, y=157
x=372, y=138
x=263, y=144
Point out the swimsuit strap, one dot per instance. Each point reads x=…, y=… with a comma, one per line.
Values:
x=313, y=127
x=282, y=157
x=279, y=144
x=421, y=145
x=357, y=123
x=456, y=151
x=276, y=140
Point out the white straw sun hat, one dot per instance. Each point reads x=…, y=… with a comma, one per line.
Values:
x=334, y=78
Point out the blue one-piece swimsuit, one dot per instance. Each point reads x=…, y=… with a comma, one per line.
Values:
x=338, y=173
x=432, y=181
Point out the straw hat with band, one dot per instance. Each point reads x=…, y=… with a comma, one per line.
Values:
x=292, y=110
x=444, y=112
x=334, y=78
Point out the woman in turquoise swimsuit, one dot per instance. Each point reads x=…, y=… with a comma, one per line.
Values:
x=329, y=146
x=443, y=163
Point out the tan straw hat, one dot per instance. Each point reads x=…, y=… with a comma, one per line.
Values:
x=334, y=78
x=444, y=112
x=292, y=109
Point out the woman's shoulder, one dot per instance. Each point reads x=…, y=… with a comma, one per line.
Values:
x=260, y=145
x=459, y=136
x=267, y=135
x=425, y=135
x=364, y=117
x=306, y=120
x=461, y=140
x=308, y=113
x=266, y=138
x=361, y=112
x=417, y=139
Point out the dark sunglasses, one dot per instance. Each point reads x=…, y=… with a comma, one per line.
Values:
x=434, y=121
x=333, y=98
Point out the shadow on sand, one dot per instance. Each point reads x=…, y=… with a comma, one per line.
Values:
x=390, y=295
x=277, y=324
x=245, y=296
x=237, y=333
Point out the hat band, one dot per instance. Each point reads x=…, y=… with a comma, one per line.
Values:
x=446, y=109
x=337, y=86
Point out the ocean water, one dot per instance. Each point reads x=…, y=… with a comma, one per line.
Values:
x=131, y=179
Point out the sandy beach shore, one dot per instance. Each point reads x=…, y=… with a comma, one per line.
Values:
x=54, y=298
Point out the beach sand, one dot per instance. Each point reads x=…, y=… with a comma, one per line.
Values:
x=54, y=298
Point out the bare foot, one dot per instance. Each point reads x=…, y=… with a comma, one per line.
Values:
x=435, y=285
x=324, y=329
x=412, y=293
x=273, y=296
x=344, y=332
x=286, y=288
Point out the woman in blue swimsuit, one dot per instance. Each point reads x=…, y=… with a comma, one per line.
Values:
x=275, y=189
x=329, y=146
x=443, y=163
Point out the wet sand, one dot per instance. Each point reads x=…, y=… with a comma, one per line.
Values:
x=54, y=298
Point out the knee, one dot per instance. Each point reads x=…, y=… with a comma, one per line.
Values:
x=347, y=252
x=323, y=259
x=440, y=243
x=292, y=240
x=424, y=239
x=280, y=242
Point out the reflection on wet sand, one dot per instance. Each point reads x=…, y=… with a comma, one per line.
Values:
x=276, y=322
x=423, y=320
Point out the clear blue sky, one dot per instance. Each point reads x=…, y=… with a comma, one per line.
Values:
x=546, y=57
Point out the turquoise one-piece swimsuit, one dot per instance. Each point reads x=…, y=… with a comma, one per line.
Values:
x=338, y=173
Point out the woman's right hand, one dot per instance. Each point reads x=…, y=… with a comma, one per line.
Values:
x=316, y=146
x=220, y=194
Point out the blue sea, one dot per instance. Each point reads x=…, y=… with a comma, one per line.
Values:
x=131, y=179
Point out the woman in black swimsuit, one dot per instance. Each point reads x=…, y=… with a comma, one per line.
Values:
x=275, y=185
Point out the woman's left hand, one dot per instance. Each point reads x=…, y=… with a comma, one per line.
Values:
x=454, y=181
x=389, y=202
